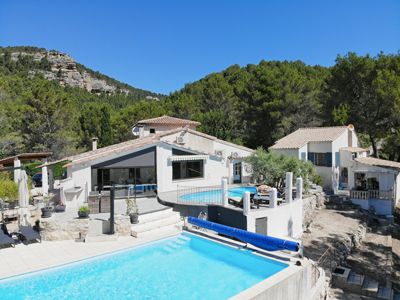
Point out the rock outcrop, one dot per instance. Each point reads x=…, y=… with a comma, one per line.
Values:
x=63, y=68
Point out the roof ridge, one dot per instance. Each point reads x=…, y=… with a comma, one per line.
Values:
x=320, y=127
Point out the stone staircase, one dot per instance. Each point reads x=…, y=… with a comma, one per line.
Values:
x=165, y=221
x=353, y=282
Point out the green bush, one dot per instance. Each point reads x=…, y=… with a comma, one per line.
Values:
x=8, y=188
x=84, y=209
x=270, y=168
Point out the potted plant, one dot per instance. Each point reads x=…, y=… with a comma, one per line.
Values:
x=83, y=211
x=132, y=210
x=60, y=207
x=47, y=210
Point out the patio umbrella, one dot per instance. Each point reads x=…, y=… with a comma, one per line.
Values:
x=23, y=194
x=335, y=179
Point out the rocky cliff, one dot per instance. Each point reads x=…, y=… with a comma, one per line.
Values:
x=61, y=67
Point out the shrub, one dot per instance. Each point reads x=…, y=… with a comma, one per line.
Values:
x=270, y=168
x=8, y=188
x=84, y=209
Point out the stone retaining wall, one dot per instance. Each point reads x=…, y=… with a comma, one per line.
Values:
x=53, y=229
x=311, y=201
x=56, y=230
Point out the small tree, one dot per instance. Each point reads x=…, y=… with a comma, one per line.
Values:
x=8, y=188
x=270, y=168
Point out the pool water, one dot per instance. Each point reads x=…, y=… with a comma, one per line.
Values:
x=182, y=267
x=215, y=196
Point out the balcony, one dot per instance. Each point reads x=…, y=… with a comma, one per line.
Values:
x=372, y=194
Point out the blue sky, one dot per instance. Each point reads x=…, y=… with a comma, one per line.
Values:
x=161, y=45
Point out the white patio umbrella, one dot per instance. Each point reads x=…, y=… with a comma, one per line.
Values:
x=335, y=179
x=23, y=194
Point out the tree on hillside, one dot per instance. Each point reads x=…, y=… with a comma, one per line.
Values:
x=123, y=120
x=44, y=119
x=365, y=91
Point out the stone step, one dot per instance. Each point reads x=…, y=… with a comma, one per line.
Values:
x=161, y=232
x=149, y=217
x=165, y=221
x=370, y=287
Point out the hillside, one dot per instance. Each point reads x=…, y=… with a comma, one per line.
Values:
x=50, y=102
x=62, y=68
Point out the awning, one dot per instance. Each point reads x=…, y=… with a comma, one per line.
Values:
x=372, y=171
x=187, y=157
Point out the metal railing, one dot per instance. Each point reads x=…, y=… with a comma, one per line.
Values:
x=371, y=194
x=199, y=195
x=136, y=190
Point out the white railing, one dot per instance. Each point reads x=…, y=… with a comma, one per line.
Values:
x=371, y=194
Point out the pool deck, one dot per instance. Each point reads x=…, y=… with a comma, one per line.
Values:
x=38, y=256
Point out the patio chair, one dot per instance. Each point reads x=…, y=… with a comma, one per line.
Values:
x=238, y=201
x=5, y=237
x=27, y=234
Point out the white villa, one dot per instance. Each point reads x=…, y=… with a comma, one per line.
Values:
x=320, y=145
x=168, y=152
x=343, y=166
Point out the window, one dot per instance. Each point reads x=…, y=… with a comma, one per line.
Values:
x=152, y=130
x=320, y=159
x=187, y=169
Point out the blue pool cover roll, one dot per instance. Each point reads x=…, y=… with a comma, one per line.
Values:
x=259, y=240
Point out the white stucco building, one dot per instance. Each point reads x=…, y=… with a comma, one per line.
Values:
x=161, y=160
x=370, y=182
x=320, y=145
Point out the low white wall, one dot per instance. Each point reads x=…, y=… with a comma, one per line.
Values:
x=293, y=283
x=283, y=221
x=382, y=207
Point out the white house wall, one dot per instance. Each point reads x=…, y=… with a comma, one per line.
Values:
x=192, y=141
x=346, y=161
x=322, y=147
x=283, y=221
x=214, y=171
x=288, y=152
x=397, y=192
x=340, y=142
x=161, y=128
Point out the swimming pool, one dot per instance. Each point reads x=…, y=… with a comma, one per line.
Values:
x=182, y=267
x=215, y=196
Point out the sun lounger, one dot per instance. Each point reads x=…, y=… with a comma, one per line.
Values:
x=238, y=201
x=6, y=240
x=27, y=234
x=5, y=237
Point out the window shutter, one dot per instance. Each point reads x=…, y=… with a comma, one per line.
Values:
x=337, y=159
x=303, y=156
x=328, y=159
x=311, y=157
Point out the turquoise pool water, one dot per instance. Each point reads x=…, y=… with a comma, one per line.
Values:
x=182, y=267
x=215, y=196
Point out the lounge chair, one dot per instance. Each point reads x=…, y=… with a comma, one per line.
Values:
x=27, y=234
x=238, y=201
x=5, y=237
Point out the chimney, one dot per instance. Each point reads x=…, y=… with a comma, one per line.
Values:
x=94, y=143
